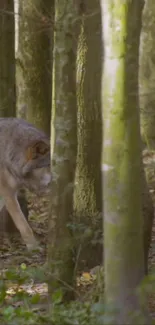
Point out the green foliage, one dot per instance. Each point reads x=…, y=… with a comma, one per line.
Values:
x=22, y=308
x=26, y=309
x=73, y=314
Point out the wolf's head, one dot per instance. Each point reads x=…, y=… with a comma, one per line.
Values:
x=36, y=170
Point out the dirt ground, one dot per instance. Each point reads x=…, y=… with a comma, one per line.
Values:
x=17, y=255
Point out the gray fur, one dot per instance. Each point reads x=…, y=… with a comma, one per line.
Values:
x=17, y=171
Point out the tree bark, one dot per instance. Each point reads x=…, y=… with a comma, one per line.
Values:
x=88, y=191
x=34, y=61
x=122, y=162
x=64, y=146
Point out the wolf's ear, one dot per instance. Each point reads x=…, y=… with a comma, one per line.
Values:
x=37, y=150
x=37, y=156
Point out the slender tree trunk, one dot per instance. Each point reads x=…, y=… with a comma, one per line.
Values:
x=63, y=140
x=34, y=61
x=7, y=59
x=88, y=193
x=121, y=164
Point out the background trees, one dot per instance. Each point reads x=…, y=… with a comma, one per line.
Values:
x=147, y=116
x=146, y=77
x=7, y=59
x=8, y=88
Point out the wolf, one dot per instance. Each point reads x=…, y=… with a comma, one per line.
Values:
x=24, y=163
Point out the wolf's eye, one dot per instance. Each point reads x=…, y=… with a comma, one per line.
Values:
x=28, y=175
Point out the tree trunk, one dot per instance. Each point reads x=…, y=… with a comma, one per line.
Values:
x=88, y=193
x=34, y=61
x=121, y=164
x=147, y=75
x=60, y=259
x=7, y=59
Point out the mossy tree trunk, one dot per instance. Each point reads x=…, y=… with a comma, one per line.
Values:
x=7, y=59
x=122, y=162
x=34, y=61
x=88, y=193
x=64, y=147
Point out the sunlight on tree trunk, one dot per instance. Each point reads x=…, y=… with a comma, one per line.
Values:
x=64, y=147
x=122, y=162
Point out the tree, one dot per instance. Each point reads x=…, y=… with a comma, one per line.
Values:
x=121, y=164
x=34, y=61
x=7, y=59
x=63, y=139
x=88, y=192
x=147, y=75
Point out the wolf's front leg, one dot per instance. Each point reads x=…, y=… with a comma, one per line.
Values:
x=21, y=223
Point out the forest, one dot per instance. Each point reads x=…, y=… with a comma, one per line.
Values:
x=82, y=73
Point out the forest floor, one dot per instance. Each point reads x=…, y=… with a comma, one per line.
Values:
x=17, y=256
x=14, y=256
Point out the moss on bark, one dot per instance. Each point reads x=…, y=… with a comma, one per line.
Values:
x=122, y=162
x=64, y=147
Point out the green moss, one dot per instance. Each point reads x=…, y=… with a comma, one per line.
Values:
x=122, y=165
